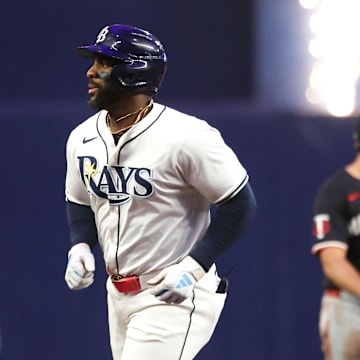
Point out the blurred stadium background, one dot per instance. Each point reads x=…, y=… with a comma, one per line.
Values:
x=273, y=76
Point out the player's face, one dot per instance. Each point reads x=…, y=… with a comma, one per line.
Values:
x=102, y=92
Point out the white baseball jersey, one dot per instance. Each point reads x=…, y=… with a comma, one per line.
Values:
x=151, y=193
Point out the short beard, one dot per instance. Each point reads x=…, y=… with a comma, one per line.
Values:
x=106, y=96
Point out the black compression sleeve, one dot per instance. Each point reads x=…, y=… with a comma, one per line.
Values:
x=82, y=224
x=228, y=223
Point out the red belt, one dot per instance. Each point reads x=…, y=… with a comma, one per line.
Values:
x=132, y=284
x=332, y=292
x=126, y=284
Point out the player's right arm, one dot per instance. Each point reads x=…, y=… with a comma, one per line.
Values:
x=82, y=227
x=340, y=270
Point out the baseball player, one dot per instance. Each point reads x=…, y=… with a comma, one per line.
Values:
x=337, y=244
x=140, y=180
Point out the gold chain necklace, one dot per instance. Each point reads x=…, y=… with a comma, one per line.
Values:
x=141, y=114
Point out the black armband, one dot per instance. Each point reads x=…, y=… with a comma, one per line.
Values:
x=82, y=226
x=229, y=222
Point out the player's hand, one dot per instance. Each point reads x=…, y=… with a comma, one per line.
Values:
x=80, y=267
x=175, y=283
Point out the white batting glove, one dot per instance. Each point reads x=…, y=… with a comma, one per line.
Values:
x=175, y=283
x=80, y=267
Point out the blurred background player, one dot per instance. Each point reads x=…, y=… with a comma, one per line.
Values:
x=336, y=230
x=140, y=180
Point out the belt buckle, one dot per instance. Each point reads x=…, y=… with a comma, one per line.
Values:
x=117, y=278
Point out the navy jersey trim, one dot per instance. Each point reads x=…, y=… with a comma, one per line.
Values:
x=241, y=185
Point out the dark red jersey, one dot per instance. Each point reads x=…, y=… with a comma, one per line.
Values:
x=336, y=221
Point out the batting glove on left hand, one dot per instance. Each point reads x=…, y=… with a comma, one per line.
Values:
x=175, y=283
x=80, y=268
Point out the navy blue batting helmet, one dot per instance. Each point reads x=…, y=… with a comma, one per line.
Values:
x=142, y=60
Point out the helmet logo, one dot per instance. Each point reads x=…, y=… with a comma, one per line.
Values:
x=115, y=44
x=102, y=34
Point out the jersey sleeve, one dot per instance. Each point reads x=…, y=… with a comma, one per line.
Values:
x=329, y=220
x=228, y=224
x=211, y=166
x=75, y=190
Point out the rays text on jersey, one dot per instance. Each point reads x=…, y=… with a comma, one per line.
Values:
x=115, y=183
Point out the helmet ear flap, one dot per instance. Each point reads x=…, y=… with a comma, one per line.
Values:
x=127, y=78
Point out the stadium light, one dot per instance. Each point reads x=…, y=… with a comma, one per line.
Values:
x=335, y=48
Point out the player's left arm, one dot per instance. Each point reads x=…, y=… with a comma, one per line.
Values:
x=211, y=167
x=175, y=283
x=228, y=223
